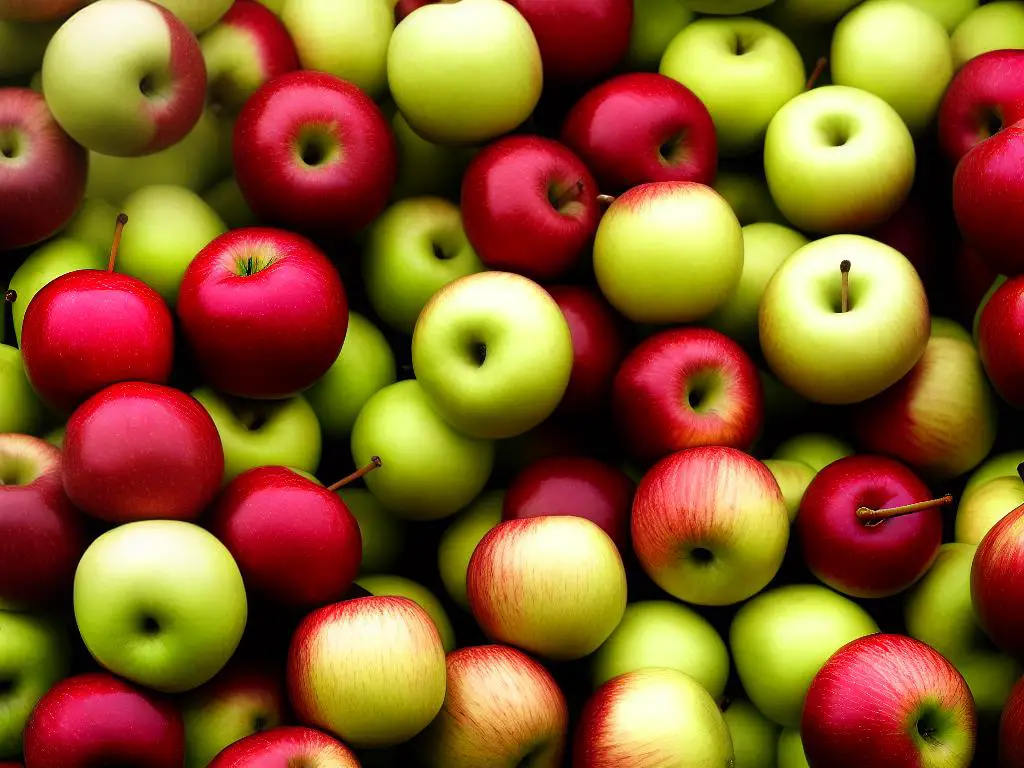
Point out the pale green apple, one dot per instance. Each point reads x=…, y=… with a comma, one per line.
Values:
x=749, y=198
x=838, y=159
x=743, y=70
x=21, y=410
x=274, y=5
x=814, y=449
x=364, y=366
x=426, y=168
x=22, y=44
x=454, y=93
x=726, y=7
x=460, y=538
x=1000, y=465
x=781, y=638
x=990, y=27
x=429, y=470
x=949, y=13
x=493, y=354
x=659, y=633
x=668, y=253
x=160, y=602
x=985, y=505
x=226, y=199
x=791, y=750
x=198, y=15
x=655, y=24
x=382, y=533
x=755, y=738
x=834, y=357
x=793, y=478
x=413, y=249
x=94, y=224
x=260, y=433
x=34, y=654
x=399, y=586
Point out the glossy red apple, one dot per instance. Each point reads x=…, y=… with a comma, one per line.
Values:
x=98, y=719
x=42, y=171
x=264, y=311
x=314, y=153
x=997, y=583
x=287, y=747
x=529, y=205
x=985, y=95
x=867, y=556
x=41, y=535
x=137, y=451
x=642, y=127
x=1011, y=729
x=1000, y=329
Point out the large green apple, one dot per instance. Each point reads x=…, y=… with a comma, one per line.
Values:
x=199, y=15
x=749, y=198
x=743, y=70
x=793, y=478
x=426, y=168
x=460, y=538
x=814, y=449
x=399, y=586
x=991, y=27
x=1000, y=465
x=655, y=24
x=21, y=410
x=382, y=533
x=949, y=13
x=755, y=738
x=226, y=199
x=725, y=7
x=984, y=506
x=791, y=750
x=94, y=224
x=22, y=44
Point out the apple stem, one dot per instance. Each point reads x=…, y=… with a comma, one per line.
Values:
x=606, y=199
x=819, y=68
x=122, y=219
x=844, y=273
x=572, y=192
x=374, y=463
x=878, y=515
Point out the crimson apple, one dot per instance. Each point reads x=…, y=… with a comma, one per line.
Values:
x=404, y=7
x=265, y=312
x=986, y=94
x=286, y=747
x=972, y=280
x=1000, y=326
x=1011, y=729
x=997, y=583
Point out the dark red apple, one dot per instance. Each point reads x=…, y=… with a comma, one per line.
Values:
x=1011, y=729
x=986, y=94
x=1000, y=328
x=287, y=747
x=972, y=280
x=997, y=583
x=404, y=7
x=911, y=232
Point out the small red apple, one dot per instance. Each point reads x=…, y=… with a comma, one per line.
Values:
x=286, y=747
x=986, y=94
x=1011, y=729
x=1000, y=328
x=997, y=583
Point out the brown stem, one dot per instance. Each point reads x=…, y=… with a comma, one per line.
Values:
x=10, y=297
x=374, y=463
x=606, y=199
x=570, y=193
x=122, y=219
x=819, y=68
x=878, y=515
x=844, y=271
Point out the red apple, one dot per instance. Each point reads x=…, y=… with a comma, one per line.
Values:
x=404, y=7
x=41, y=535
x=997, y=583
x=264, y=311
x=867, y=556
x=38, y=10
x=138, y=451
x=286, y=747
x=1011, y=729
x=972, y=280
x=888, y=700
x=684, y=388
x=42, y=171
x=911, y=231
x=1000, y=328
x=529, y=205
x=98, y=719
x=642, y=127
x=315, y=153
x=986, y=94
x=294, y=540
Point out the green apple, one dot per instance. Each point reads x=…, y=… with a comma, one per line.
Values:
x=949, y=13
x=160, y=602
x=460, y=538
x=348, y=40
x=399, y=586
x=454, y=93
x=939, y=612
x=814, y=449
x=834, y=357
x=429, y=470
x=226, y=199
x=426, y=168
x=34, y=654
x=749, y=198
x=668, y=253
x=659, y=633
x=199, y=15
x=22, y=44
x=493, y=354
x=985, y=505
x=94, y=224
x=990, y=27
x=791, y=750
x=382, y=533
x=413, y=249
x=725, y=7
x=655, y=24
x=793, y=478
x=56, y=437
x=781, y=638
x=260, y=433
x=21, y=410
x=274, y=5
x=743, y=70
x=1000, y=465
x=755, y=738
x=364, y=366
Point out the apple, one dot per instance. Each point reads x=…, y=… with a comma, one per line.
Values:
x=710, y=525
x=668, y=252
x=891, y=700
x=315, y=153
x=370, y=670
x=173, y=639
x=981, y=508
x=909, y=230
x=995, y=584
x=655, y=24
x=992, y=27
x=793, y=478
x=460, y=539
x=426, y=168
x=275, y=6
x=430, y=470
x=286, y=746
x=144, y=79
x=725, y=7
x=226, y=199
x=659, y=633
x=493, y=353
x=199, y=15
x=413, y=249
x=428, y=63
x=814, y=449
x=755, y=738
x=38, y=10
x=399, y=586
x=642, y=127
x=948, y=12
x=684, y=388
x=1011, y=730
x=659, y=713
x=20, y=408
x=790, y=752
x=22, y=46
x=998, y=326
x=744, y=71
x=748, y=196
x=382, y=533
x=999, y=465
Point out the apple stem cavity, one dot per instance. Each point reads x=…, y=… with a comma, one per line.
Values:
x=844, y=273
x=122, y=219
x=10, y=297
x=875, y=516
x=568, y=195
x=375, y=462
x=819, y=69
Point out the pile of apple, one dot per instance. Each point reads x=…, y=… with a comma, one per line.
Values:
x=511, y=384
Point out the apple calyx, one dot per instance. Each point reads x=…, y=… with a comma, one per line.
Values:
x=844, y=276
x=875, y=516
x=122, y=219
x=10, y=297
x=819, y=69
x=374, y=463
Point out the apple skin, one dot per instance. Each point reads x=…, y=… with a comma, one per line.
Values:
x=399, y=586
x=293, y=160
x=199, y=15
x=42, y=170
x=226, y=199
x=999, y=465
x=684, y=388
x=38, y=10
x=655, y=24
x=982, y=507
x=725, y=7
x=755, y=738
x=948, y=12
x=992, y=27
x=144, y=92
x=21, y=411
x=998, y=326
x=888, y=700
x=748, y=196
x=1011, y=730
x=460, y=539
x=642, y=127
x=98, y=719
x=814, y=449
x=382, y=533
x=285, y=746
x=996, y=585
x=522, y=590
x=24, y=44
x=710, y=525
x=793, y=478
x=426, y=168
x=790, y=752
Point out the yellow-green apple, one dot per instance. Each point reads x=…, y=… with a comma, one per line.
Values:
x=814, y=449
x=662, y=714
x=755, y=738
x=427, y=62
x=426, y=168
x=39, y=10
x=523, y=588
x=838, y=159
x=145, y=81
x=999, y=465
x=274, y=5
x=991, y=27
x=21, y=411
x=413, y=249
x=793, y=478
x=710, y=525
x=655, y=24
x=382, y=534
x=791, y=750
x=199, y=15
x=985, y=96
x=169, y=639
x=399, y=586
x=949, y=13
x=226, y=199
x=22, y=45
x=725, y=7
x=501, y=708
x=743, y=69
x=996, y=586
x=984, y=506
x=369, y=670
x=668, y=252
x=429, y=469
x=659, y=633
x=493, y=353
x=460, y=540
x=286, y=745
x=748, y=196
x=890, y=700
x=1011, y=730
x=780, y=639
x=819, y=350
